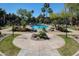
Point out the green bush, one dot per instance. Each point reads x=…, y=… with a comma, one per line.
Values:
x=23, y=29
x=43, y=35
x=62, y=29
x=16, y=28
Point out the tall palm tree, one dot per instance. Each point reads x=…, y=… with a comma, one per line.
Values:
x=46, y=9
x=46, y=6
x=43, y=11
x=50, y=11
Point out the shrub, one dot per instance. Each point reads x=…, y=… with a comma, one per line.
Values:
x=52, y=29
x=43, y=35
x=16, y=28
x=23, y=29
x=62, y=29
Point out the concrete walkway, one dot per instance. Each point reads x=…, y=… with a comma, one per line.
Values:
x=2, y=54
x=38, y=48
x=25, y=52
x=76, y=54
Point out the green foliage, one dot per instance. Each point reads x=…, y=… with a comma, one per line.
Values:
x=73, y=7
x=23, y=23
x=24, y=13
x=42, y=35
x=2, y=12
x=46, y=9
x=25, y=16
x=65, y=15
x=2, y=17
x=62, y=29
x=53, y=16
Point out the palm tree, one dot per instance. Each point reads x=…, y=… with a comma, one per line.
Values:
x=45, y=10
x=50, y=10
x=46, y=6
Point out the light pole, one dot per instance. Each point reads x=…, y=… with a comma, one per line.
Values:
x=13, y=28
x=66, y=22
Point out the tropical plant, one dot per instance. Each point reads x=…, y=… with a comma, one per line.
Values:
x=46, y=9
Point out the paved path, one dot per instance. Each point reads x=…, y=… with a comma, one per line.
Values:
x=76, y=54
x=32, y=47
x=44, y=52
x=2, y=54
x=8, y=31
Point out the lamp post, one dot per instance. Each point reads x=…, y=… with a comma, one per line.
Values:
x=13, y=28
x=66, y=22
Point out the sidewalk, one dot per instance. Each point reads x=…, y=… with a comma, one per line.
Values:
x=1, y=54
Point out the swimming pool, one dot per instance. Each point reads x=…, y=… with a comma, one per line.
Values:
x=36, y=27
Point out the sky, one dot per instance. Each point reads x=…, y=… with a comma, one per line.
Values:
x=13, y=7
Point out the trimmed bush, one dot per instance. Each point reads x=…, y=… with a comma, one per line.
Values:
x=43, y=35
x=40, y=36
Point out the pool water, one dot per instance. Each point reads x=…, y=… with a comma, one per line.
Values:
x=36, y=27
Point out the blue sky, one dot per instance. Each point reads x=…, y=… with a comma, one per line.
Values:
x=13, y=7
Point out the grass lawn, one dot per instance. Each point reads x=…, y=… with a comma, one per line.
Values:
x=7, y=47
x=70, y=47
